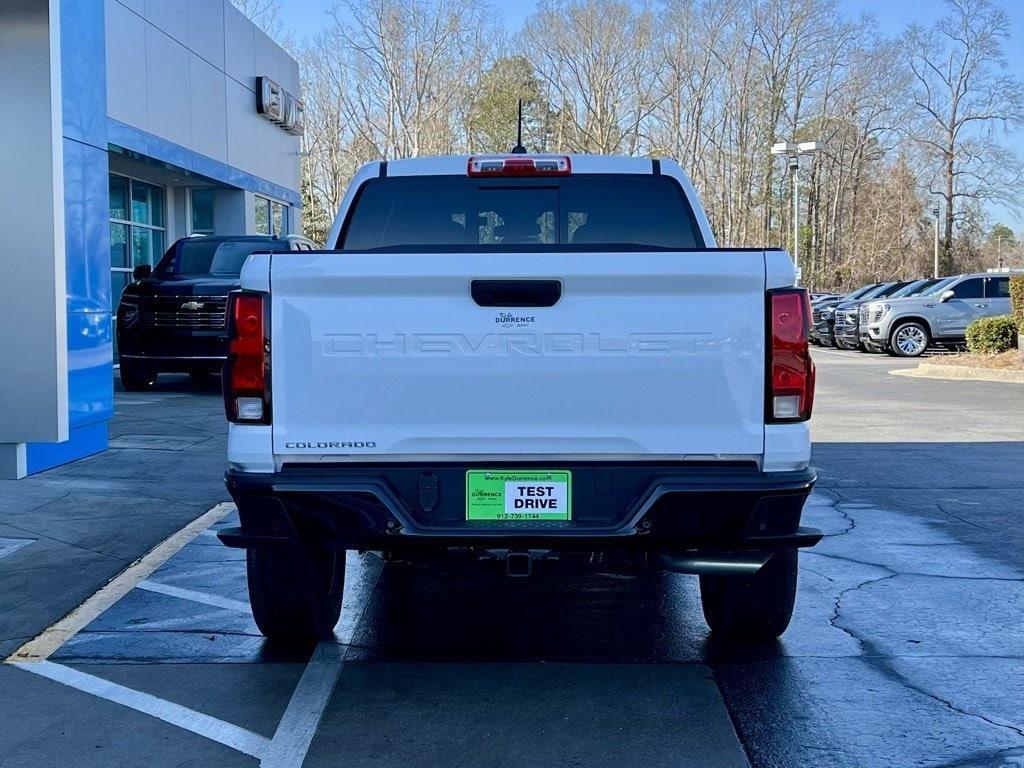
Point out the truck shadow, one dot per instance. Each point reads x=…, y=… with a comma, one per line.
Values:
x=418, y=615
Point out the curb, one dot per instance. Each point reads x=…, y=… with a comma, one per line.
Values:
x=956, y=372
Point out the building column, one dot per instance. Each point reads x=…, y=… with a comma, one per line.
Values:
x=56, y=394
x=34, y=385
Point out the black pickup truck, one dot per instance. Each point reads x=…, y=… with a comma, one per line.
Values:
x=171, y=319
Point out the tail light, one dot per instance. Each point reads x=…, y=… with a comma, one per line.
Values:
x=247, y=370
x=519, y=165
x=790, y=394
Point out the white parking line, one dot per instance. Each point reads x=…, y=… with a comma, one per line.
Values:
x=196, y=597
x=841, y=353
x=53, y=638
x=302, y=717
x=297, y=727
x=211, y=728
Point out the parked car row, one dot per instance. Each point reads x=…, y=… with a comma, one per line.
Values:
x=907, y=317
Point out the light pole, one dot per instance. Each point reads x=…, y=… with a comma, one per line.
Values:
x=935, y=213
x=794, y=151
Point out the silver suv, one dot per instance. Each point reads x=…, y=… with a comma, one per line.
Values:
x=906, y=327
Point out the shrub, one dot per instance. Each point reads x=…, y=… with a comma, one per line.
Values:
x=990, y=335
x=1017, y=300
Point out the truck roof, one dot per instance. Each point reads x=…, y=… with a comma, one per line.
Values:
x=456, y=164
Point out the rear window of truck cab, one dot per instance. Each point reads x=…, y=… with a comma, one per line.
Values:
x=583, y=212
x=202, y=256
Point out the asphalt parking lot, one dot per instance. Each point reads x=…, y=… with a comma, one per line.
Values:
x=906, y=648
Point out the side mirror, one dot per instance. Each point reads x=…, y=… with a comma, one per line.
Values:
x=946, y=296
x=141, y=272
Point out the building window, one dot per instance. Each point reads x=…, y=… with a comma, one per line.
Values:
x=137, y=229
x=271, y=216
x=202, y=211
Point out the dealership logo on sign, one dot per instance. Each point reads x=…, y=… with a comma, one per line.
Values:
x=279, y=106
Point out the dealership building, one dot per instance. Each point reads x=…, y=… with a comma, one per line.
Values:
x=127, y=125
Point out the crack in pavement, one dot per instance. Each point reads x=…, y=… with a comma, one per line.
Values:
x=962, y=520
x=870, y=564
x=833, y=618
x=875, y=657
x=847, y=517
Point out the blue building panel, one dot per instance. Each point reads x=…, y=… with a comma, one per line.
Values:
x=86, y=238
x=90, y=370
x=84, y=441
x=87, y=227
x=84, y=71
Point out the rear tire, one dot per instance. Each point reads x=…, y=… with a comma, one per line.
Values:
x=136, y=378
x=295, y=592
x=909, y=339
x=753, y=608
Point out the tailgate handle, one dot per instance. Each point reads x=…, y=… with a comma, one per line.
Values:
x=516, y=293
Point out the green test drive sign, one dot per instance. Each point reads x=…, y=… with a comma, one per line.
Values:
x=524, y=495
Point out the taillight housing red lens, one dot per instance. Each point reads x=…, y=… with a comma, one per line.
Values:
x=790, y=374
x=519, y=165
x=247, y=370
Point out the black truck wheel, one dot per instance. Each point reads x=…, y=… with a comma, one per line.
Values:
x=136, y=378
x=295, y=592
x=752, y=608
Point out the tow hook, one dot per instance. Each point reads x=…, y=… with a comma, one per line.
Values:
x=518, y=564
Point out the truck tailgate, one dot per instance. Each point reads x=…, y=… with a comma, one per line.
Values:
x=387, y=356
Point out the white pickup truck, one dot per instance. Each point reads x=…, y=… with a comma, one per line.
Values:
x=520, y=360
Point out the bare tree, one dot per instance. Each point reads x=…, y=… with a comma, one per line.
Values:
x=595, y=59
x=963, y=94
x=405, y=65
x=387, y=79
x=711, y=82
x=266, y=14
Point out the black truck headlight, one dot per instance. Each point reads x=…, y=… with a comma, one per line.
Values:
x=129, y=313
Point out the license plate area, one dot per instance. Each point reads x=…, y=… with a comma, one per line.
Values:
x=518, y=495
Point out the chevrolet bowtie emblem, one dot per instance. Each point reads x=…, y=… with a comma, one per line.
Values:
x=192, y=305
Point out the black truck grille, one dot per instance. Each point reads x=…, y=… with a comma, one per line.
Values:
x=198, y=312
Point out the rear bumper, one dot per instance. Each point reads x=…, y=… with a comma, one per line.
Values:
x=655, y=507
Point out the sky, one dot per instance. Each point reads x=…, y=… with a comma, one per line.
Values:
x=307, y=17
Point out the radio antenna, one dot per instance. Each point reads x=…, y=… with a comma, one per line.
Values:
x=519, y=149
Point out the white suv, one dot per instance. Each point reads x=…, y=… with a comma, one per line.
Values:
x=907, y=327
